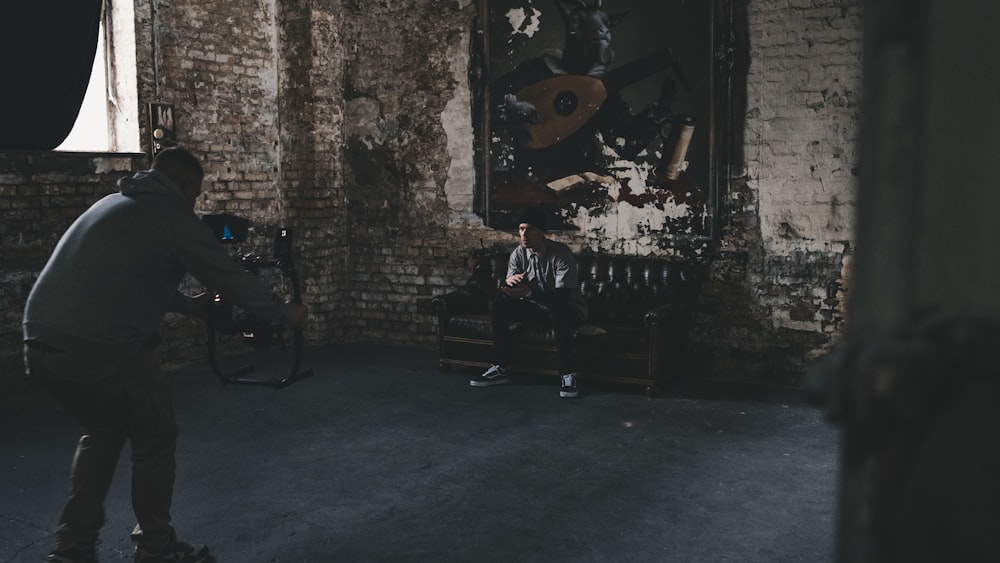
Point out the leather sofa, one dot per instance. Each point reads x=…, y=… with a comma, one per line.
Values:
x=640, y=313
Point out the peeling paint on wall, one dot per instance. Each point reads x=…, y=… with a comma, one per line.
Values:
x=460, y=184
x=524, y=23
x=637, y=216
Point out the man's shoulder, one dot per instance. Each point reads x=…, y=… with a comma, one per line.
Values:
x=557, y=248
x=560, y=245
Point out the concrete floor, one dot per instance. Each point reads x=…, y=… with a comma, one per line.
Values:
x=379, y=457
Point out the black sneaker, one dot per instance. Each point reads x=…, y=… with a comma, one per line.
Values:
x=496, y=375
x=568, y=389
x=176, y=552
x=75, y=554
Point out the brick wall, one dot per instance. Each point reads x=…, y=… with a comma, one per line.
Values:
x=350, y=123
x=777, y=294
x=217, y=65
x=399, y=81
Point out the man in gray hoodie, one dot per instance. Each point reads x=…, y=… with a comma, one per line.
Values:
x=91, y=332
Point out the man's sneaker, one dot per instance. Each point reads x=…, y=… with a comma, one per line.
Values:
x=568, y=388
x=493, y=376
x=75, y=554
x=176, y=552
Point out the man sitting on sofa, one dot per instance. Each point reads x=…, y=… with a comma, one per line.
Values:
x=541, y=285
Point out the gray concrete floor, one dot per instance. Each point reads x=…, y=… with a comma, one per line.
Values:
x=379, y=457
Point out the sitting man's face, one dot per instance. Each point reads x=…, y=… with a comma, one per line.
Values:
x=531, y=236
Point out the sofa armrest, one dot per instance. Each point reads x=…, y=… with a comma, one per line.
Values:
x=469, y=298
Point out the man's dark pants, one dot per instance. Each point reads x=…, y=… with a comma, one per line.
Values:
x=562, y=316
x=114, y=401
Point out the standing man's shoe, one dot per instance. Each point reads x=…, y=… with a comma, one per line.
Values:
x=76, y=554
x=176, y=552
x=568, y=389
x=496, y=375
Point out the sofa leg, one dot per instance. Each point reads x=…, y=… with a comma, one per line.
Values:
x=654, y=391
x=444, y=368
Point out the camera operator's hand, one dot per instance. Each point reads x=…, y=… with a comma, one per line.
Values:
x=298, y=316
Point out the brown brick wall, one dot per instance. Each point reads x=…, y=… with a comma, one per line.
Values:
x=348, y=122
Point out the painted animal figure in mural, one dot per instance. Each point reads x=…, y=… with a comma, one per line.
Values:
x=555, y=105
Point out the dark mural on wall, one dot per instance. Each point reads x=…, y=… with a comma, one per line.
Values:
x=599, y=109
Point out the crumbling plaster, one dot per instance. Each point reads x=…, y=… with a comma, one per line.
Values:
x=459, y=186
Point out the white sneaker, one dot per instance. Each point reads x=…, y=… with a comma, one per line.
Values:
x=568, y=389
x=496, y=375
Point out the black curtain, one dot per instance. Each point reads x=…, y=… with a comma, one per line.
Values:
x=47, y=50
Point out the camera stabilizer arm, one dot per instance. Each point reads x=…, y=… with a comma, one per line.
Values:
x=257, y=333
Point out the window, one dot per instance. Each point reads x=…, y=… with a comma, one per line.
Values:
x=90, y=132
x=109, y=118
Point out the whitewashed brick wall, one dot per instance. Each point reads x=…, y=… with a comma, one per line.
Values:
x=802, y=126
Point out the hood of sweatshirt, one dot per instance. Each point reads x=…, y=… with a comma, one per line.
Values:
x=150, y=182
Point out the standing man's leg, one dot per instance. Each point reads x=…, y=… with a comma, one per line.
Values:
x=154, y=443
x=114, y=401
x=89, y=390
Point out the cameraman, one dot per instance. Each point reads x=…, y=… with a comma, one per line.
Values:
x=91, y=332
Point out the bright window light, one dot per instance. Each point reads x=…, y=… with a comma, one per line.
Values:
x=90, y=132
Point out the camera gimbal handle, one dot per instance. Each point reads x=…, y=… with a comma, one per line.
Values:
x=284, y=263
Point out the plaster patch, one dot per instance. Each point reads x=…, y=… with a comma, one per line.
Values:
x=458, y=186
x=361, y=118
x=782, y=320
x=626, y=228
x=623, y=226
x=105, y=165
x=524, y=23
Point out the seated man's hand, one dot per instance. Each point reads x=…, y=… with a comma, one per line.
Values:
x=513, y=286
x=515, y=279
x=517, y=291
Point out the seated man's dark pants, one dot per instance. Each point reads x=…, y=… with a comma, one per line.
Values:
x=561, y=316
x=114, y=401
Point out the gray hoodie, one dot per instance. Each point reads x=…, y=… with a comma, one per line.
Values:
x=115, y=273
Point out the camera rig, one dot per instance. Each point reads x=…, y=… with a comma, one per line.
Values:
x=226, y=320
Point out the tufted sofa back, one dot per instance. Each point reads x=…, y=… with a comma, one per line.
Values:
x=620, y=289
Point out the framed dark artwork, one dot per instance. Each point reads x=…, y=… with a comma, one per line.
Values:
x=605, y=113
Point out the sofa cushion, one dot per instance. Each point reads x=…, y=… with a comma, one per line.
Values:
x=625, y=338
